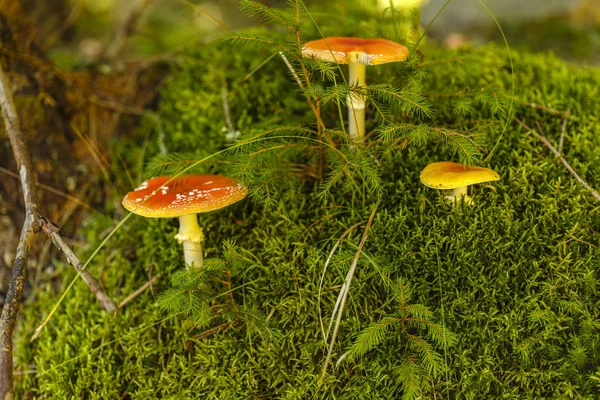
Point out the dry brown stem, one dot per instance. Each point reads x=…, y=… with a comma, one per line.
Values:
x=33, y=223
x=560, y=158
x=53, y=232
x=139, y=291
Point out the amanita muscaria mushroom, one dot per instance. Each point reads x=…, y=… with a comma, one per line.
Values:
x=357, y=53
x=184, y=197
x=455, y=176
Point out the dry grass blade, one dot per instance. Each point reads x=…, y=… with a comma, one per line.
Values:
x=343, y=296
x=331, y=253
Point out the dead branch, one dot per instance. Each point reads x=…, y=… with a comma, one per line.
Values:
x=139, y=291
x=560, y=158
x=583, y=183
x=212, y=331
x=547, y=109
x=52, y=231
x=31, y=225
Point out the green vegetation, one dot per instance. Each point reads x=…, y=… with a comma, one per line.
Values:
x=514, y=278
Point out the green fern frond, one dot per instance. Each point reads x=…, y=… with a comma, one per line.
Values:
x=467, y=146
x=336, y=93
x=328, y=71
x=195, y=277
x=415, y=134
x=266, y=14
x=171, y=163
x=411, y=376
x=256, y=321
x=181, y=300
x=431, y=360
x=410, y=99
x=402, y=293
x=382, y=114
x=371, y=337
x=352, y=170
x=253, y=41
x=464, y=107
x=418, y=311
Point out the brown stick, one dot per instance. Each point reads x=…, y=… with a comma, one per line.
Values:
x=52, y=231
x=547, y=143
x=547, y=109
x=135, y=294
x=31, y=225
x=212, y=331
x=583, y=183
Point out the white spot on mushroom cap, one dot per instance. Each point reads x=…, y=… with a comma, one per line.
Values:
x=143, y=185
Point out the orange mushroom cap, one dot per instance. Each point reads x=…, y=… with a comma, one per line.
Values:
x=186, y=194
x=350, y=50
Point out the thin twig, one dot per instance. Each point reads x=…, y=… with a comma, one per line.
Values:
x=33, y=223
x=583, y=183
x=563, y=130
x=212, y=331
x=53, y=232
x=547, y=109
x=111, y=105
x=547, y=143
x=135, y=294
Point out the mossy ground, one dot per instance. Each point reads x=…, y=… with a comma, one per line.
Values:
x=515, y=276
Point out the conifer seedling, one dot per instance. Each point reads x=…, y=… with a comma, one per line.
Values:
x=455, y=176
x=184, y=197
x=357, y=53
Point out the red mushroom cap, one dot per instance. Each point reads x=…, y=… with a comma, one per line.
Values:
x=349, y=50
x=186, y=194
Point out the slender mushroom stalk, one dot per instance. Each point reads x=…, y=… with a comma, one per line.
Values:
x=356, y=102
x=357, y=53
x=460, y=194
x=191, y=235
x=451, y=175
x=184, y=198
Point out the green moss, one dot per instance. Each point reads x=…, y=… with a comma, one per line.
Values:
x=515, y=276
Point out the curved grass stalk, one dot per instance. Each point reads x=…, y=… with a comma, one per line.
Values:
x=512, y=77
x=325, y=267
x=343, y=296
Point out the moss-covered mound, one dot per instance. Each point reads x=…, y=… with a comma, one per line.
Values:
x=515, y=277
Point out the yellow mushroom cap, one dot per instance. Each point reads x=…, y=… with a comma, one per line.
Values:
x=450, y=175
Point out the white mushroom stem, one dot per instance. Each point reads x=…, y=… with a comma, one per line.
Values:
x=190, y=234
x=356, y=103
x=460, y=194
